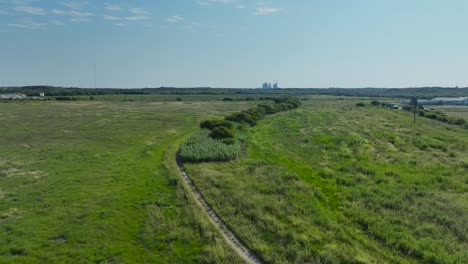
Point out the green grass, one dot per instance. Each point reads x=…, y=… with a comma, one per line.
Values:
x=200, y=147
x=96, y=182
x=455, y=111
x=335, y=183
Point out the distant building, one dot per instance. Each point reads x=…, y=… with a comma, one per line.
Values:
x=451, y=101
x=443, y=101
x=41, y=94
x=12, y=96
x=268, y=85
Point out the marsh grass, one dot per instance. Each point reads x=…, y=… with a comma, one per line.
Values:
x=201, y=147
x=96, y=182
x=335, y=183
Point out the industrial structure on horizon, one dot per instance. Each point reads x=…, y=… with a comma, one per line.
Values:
x=268, y=85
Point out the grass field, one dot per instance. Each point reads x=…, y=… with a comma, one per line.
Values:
x=95, y=182
x=455, y=111
x=335, y=183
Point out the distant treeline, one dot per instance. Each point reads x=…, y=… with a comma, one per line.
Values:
x=423, y=92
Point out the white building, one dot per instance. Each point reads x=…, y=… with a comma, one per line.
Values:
x=268, y=85
x=451, y=100
x=12, y=96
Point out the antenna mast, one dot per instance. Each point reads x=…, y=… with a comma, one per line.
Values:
x=95, y=76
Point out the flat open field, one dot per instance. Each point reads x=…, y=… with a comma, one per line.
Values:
x=455, y=111
x=334, y=183
x=93, y=182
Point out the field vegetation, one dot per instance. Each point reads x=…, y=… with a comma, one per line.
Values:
x=334, y=183
x=97, y=182
x=220, y=140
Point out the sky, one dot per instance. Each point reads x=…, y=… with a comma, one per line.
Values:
x=234, y=43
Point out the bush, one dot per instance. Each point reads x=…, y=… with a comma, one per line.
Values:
x=241, y=117
x=228, y=99
x=460, y=121
x=269, y=109
x=221, y=132
x=229, y=141
x=211, y=124
x=65, y=98
x=407, y=108
x=360, y=104
x=218, y=141
x=375, y=103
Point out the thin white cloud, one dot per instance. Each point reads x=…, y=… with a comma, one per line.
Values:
x=31, y=10
x=112, y=7
x=209, y=2
x=266, y=10
x=28, y=24
x=75, y=5
x=120, y=24
x=112, y=18
x=80, y=19
x=137, y=18
x=72, y=13
x=56, y=22
x=174, y=19
x=138, y=11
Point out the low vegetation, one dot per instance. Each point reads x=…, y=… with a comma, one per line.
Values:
x=421, y=111
x=96, y=182
x=220, y=140
x=334, y=183
x=202, y=147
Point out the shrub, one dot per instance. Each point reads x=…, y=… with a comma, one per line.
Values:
x=375, y=103
x=211, y=124
x=229, y=141
x=460, y=121
x=65, y=98
x=360, y=104
x=221, y=132
x=241, y=117
x=407, y=108
x=227, y=99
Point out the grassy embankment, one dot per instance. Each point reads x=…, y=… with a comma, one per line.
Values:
x=334, y=183
x=95, y=182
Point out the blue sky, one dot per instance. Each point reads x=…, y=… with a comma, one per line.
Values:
x=234, y=43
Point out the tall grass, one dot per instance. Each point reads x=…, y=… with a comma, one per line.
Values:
x=201, y=147
x=334, y=183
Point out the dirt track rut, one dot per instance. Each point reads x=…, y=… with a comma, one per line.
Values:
x=247, y=254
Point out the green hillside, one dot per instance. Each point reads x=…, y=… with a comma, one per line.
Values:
x=335, y=183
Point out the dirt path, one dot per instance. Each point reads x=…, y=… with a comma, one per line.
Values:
x=228, y=235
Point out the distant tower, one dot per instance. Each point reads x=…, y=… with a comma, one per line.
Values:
x=94, y=76
x=275, y=86
x=265, y=85
x=269, y=85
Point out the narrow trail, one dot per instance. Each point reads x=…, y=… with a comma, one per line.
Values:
x=247, y=254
